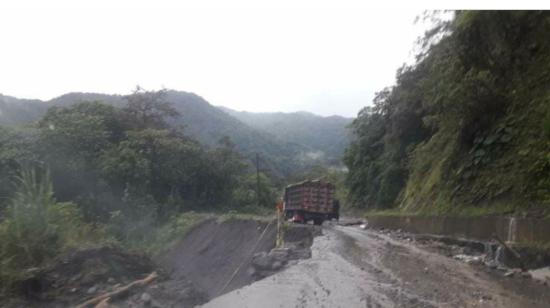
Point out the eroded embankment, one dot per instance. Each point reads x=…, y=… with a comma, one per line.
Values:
x=218, y=257
x=85, y=277
x=215, y=257
x=211, y=252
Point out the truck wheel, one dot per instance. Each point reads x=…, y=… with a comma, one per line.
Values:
x=317, y=221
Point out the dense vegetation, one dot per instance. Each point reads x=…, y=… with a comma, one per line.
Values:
x=132, y=170
x=464, y=128
x=281, y=154
x=99, y=154
x=36, y=228
x=91, y=171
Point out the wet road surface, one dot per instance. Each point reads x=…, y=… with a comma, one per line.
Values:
x=351, y=267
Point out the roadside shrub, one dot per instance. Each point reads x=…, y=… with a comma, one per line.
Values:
x=36, y=228
x=546, y=124
x=245, y=195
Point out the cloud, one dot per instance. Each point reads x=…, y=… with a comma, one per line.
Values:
x=327, y=61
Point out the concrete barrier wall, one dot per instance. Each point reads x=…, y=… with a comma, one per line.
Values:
x=510, y=229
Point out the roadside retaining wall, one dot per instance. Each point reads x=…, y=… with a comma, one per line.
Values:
x=511, y=229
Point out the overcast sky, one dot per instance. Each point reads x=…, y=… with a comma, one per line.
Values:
x=326, y=61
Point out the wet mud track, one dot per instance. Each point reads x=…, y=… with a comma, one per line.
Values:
x=351, y=267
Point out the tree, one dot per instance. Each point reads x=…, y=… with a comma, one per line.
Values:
x=36, y=227
x=148, y=109
x=223, y=173
x=17, y=150
x=83, y=130
x=154, y=162
x=71, y=141
x=246, y=193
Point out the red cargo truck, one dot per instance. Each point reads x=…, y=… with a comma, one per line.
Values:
x=311, y=200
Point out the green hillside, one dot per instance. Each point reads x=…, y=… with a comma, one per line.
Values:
x=15, y=111
x=466, y=129
x=199, y=119
x=327, y=136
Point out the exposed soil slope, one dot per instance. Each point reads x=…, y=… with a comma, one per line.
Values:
x=215, y=257
x=212, y=251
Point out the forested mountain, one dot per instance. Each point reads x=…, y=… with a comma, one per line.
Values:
x=113, y=168
x=206, y=123
x=466, y=128
x=327, y=136
x=15, y=111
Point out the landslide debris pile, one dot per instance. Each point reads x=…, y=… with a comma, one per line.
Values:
x=297, y=245
x=83, y=273
x=86, y=273
x=530, y=262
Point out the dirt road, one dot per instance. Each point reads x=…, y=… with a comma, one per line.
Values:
x=351, y=267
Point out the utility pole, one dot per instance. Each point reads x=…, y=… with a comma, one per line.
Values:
x=258, y=178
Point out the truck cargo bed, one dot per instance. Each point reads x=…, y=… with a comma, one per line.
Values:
x=312, y=198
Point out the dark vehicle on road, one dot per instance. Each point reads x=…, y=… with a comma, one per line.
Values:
x=311, y=200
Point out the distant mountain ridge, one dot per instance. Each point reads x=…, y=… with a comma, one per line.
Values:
x=328, y=136
x=282, y=152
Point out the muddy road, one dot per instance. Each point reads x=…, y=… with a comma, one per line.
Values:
x=351, y=267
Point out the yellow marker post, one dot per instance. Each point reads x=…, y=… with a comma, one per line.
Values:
x=279, y=241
